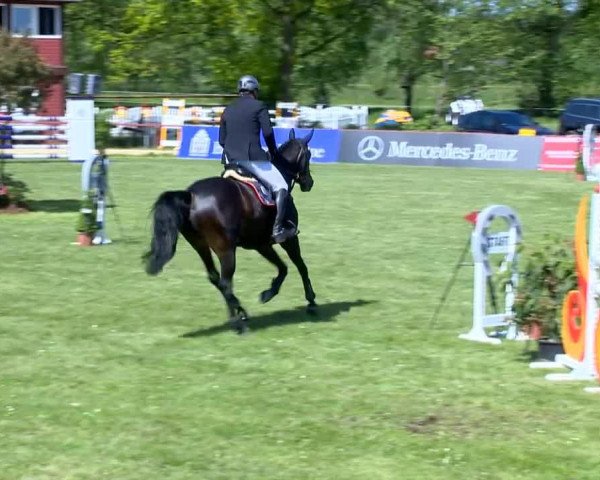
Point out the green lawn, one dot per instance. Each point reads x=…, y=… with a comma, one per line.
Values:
x=98, y=381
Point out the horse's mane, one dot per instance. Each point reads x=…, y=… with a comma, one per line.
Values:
x=286, y=145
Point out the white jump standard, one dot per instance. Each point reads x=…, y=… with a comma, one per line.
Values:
x=484, y=244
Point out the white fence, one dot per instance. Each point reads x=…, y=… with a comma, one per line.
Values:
x=35, y=137
x=326, y=117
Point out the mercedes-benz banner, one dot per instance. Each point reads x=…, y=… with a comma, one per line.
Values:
x=441, y=149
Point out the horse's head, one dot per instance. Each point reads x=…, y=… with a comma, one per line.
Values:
x=294, y=159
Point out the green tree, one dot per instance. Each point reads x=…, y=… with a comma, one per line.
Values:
x=318, y=43
x=21, y=70
x=208, y=44
x=91, y=33
x=580, y=74
x=535, y=37
x=403, y=41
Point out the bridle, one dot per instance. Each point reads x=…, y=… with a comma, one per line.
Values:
x=302, y=160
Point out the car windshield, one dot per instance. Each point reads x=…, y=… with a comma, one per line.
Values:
x=513, y=118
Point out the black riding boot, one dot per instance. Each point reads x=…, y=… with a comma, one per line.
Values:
x=280, y=232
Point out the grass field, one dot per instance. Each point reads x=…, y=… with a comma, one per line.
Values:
x=98, y=380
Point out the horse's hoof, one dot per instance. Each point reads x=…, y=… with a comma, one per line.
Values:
x=311, y=309
x=243, y=330
x=239, y=326
x=266, y=296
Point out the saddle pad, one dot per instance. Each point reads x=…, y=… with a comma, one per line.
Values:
x=263, y=195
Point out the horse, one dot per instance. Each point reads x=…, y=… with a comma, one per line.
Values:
x=219, y=214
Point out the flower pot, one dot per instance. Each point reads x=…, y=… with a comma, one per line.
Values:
x=548, y=349
x=533, y=330
x=84, y=239
x=580, y=176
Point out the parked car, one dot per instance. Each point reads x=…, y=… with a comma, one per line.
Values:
x=501, y=121
x=577, y=114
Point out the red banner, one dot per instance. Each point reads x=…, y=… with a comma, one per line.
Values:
x=559, y=153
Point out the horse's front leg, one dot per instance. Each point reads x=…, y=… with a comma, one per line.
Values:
x=292, y=247
x=271, y=255
x=237, y=315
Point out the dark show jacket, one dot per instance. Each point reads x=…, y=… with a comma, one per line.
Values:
x=239, y=132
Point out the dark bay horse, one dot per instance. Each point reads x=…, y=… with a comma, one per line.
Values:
x=219, y=214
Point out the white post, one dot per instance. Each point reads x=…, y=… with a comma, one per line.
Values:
x=587, y=152
x=484, y=244
x=80, y=129
x=477, y=332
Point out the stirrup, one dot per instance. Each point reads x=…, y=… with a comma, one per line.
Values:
x=283, y=234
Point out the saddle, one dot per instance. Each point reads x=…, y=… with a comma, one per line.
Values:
x=240, y=174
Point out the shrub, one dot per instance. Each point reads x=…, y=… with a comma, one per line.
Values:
x=17, y=191
x=548, y=274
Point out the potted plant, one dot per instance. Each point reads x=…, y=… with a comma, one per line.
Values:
x=546, y=278
x=86, y=222
x=579, y=167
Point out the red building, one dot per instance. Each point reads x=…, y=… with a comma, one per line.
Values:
x=42, y=21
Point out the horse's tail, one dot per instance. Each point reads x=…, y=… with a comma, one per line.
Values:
x=171, y=211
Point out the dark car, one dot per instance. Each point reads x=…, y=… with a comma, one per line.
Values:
x=501, y=121
x=578, y=113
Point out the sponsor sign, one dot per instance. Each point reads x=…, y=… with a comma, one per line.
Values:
x=559, y=153
x=202, y=143
x=441, y=149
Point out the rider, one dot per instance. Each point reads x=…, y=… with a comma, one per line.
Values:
x=239, y=135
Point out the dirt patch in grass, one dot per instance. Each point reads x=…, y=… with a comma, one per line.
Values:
x=423, y=425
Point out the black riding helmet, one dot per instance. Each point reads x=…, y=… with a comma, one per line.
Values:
x=248, y=83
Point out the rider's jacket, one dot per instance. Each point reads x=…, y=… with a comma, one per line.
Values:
x=239, y=132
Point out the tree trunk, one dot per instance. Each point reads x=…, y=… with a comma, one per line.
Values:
x=286, y=67
x=441, y=97
x=408, y=84
x=552, y=29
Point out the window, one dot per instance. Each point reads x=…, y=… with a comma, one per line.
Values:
x=35, y=21
x=48, y=24
x=488, y=122
x=3, y=16
x=578, y=109
x=22, y=21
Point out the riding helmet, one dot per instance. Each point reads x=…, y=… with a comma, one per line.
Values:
x=248, y=83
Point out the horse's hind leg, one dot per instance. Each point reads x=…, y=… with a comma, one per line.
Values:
x=223, y=282
x=204, y=252
x=271, y=255
x=237, y=315
x=292, y=247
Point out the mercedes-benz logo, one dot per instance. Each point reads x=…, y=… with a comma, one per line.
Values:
x=370, y=148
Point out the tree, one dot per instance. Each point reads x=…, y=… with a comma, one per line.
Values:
x=21, y=70
x=91, y=33
x=192, y=44
x=536, y=36
x=470, y=49
x=401, y=39
x=318, y=42
x=580, y=73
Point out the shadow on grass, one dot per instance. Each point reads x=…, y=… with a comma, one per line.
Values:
x=325, y=313
x=54, y=206
x=529, y=353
